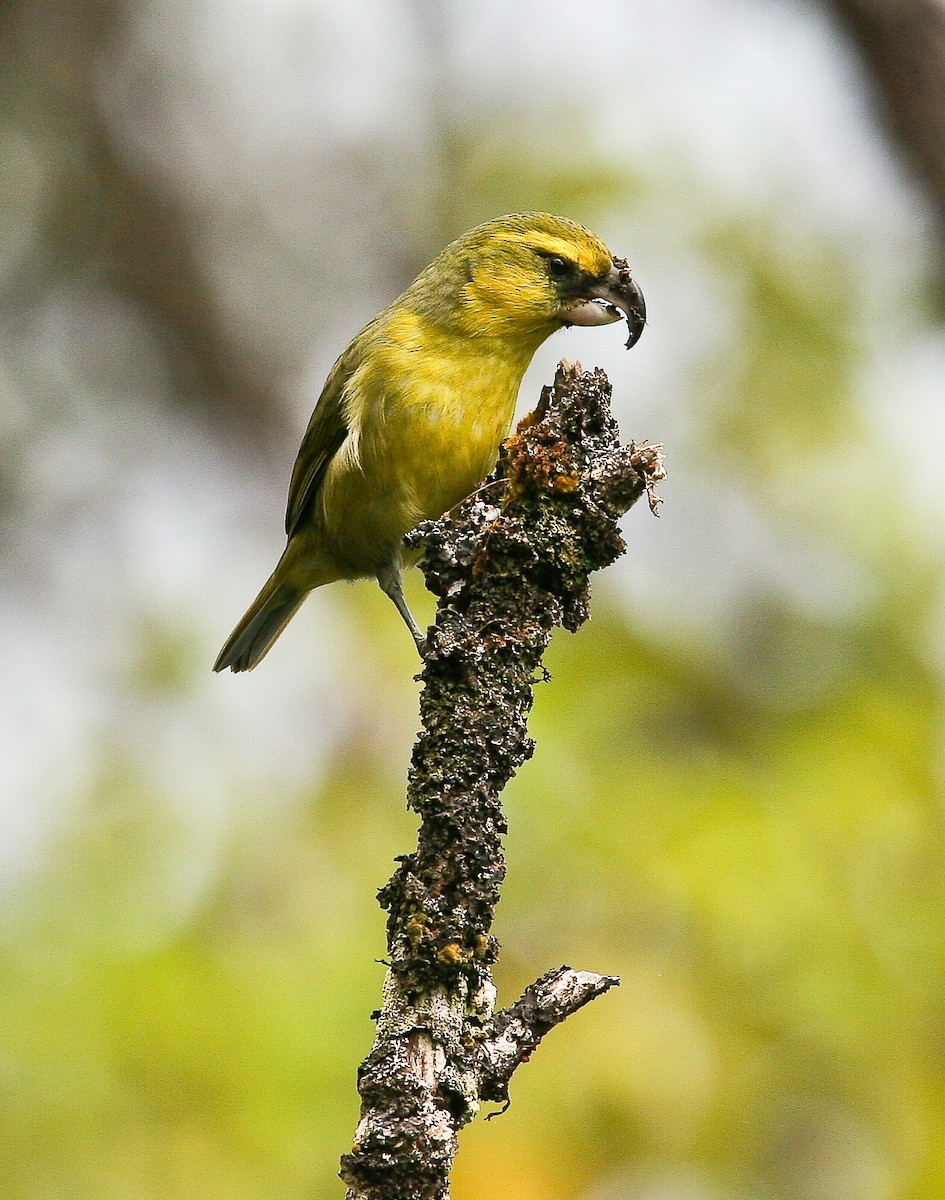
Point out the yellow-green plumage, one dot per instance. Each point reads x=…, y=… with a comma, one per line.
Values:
x=413, y=413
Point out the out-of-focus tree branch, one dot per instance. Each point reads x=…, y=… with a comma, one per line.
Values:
x=902, y=45
x=508, y=567
x=108, y=221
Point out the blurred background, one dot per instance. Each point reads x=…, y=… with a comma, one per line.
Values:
x=736, y=800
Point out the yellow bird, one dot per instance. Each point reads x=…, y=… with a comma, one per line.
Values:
x=412, y=415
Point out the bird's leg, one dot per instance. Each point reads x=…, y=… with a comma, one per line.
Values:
x=389, y=579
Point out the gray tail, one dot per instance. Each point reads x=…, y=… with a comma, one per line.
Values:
x=252, y=639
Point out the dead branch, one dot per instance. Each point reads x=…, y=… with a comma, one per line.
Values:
x=508, y=566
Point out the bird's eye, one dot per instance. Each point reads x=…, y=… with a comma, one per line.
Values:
x=557, y=266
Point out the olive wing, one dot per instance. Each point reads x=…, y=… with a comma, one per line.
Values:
x=326, y=431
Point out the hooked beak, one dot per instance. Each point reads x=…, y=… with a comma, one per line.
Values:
x=604, y=302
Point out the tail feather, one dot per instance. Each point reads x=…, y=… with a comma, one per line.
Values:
x=253, y=637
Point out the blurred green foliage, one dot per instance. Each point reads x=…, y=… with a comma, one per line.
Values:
x=761, y=864
x=743, y=819
x=766, y=882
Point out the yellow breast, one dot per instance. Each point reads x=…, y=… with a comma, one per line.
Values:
x=435, y=408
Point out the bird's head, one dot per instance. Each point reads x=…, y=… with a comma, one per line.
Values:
x=523, y=276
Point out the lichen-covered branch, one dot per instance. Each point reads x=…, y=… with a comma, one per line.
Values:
x=508, y=566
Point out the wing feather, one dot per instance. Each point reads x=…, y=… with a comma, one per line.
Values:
x=327, y=430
